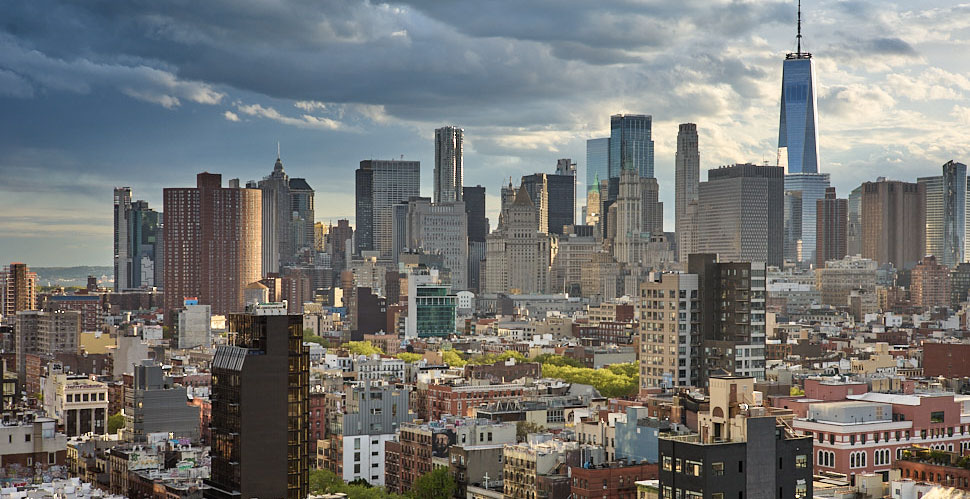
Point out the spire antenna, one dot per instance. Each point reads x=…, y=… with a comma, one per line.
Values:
x=799, y=36
x=278, y=142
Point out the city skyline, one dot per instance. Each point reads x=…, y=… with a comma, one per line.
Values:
x=175, y=104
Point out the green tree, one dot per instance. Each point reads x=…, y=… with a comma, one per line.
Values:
x=438, y=484
x=617, y=380
x=410, y=358
x=452, y=358
x=362, y=348
x=556, y=360
x=325, y=482
x=309, y=336
x=115, y=423
x=524, y=428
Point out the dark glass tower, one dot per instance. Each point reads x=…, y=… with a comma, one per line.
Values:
x=260, y=407
x=798, y=127
x=631, y=144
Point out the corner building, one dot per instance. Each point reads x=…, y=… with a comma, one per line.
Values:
x=260, y=407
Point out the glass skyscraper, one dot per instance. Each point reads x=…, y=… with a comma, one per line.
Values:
x=798, y=128
x=946, y=221
x=631, y=144
x=812, y=187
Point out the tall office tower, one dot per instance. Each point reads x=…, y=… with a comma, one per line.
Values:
x=17, y=285
x=798, y=126
x=687, y=178
x=832, y=222
x=631, y=144
x=137, y=243
x=743, y=214
x=853, y=231
x=732, y=315
x=441, y=229
x=660, y=365
x=477, y=231
x=946, y=205
x=793, y=226
x=812, y=186
x=554, y=197
x=893, y=222
x=518, y=257
x=507, y=198
x=381, y=184
x=448, y=169
x=260, y=407
x=287, y=219
x=431, y=305
x=597, y=169
x=652, y=209
x=212, y=243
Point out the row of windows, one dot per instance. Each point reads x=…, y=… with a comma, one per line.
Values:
x=84, y=397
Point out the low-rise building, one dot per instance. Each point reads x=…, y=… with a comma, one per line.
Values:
x=77, y=402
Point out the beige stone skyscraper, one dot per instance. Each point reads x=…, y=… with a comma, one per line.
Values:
x=213, y=243
x=894, y=222
x=687, y=178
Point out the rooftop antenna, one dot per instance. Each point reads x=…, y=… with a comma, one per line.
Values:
x=278, y=142
x=799, y=36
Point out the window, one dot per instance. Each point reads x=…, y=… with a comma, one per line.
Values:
x=801, y=489
x=740, y=466
x=936, y=417
x=693, y=468
x=717, y=469
x=678, y=465
x=357, y=469
x=801, y=461
x=27, y=437
x=668, y=463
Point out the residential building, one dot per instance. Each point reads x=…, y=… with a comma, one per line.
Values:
x=831, y=221
x=260, y=407
x=477, y=454
x=838, y=278
x=381, y=184
x=612, y=480
x=631, y=144
x=157, y=405
x=853, y=231
x=637, y=435
x=731, y=299
x=743, y=214
x=448, y=168
x=930, y=284
x=358, y=430
x=530, y=465
x=686, y=184
x=32, y=446
x=89, y=306
x=893, y=222
x=212, y=243
x=17, y=290
x=668, y=313
x=742, y=449
x=959, y=284
x=462, y=399
x=45, y=334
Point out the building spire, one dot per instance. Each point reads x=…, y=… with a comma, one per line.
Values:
x=278, y=142
x=799, y=36
x=278, y=167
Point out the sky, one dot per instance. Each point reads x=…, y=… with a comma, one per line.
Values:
x=147, y=93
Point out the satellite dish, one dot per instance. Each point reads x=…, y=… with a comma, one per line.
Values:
x=744, y=407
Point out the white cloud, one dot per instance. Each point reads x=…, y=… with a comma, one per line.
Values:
x=231, y=116
x=303, y=121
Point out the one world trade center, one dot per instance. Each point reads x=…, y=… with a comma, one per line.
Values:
x=798, y=129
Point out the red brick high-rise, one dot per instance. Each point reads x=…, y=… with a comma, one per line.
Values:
x=17, y=290
x=832, y=221
x=930, y=284
x=213, y=243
